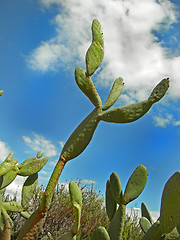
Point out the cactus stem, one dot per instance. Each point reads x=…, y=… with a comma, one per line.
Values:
x=46, y=200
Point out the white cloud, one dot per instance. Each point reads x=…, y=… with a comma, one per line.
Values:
x=163, y=122
x=61, y=143
x=130, y=47
x=16, y=187
x=39, y=143
x=4, y=150
x=176, y=123
x=88, y=181
x=137, y=212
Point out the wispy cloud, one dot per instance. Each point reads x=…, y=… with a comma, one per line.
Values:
x=39, y=143
x=88, y=181
x=131, y=49
x=4, y=150
x=164, y=121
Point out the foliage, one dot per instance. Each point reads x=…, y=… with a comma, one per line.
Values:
x=45, y=208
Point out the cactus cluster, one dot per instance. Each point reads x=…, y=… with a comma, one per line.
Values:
x=169, y=212
x=9, y=169
x=77, y=143
x=115, y=197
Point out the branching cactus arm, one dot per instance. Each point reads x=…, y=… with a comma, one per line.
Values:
x=134, y=187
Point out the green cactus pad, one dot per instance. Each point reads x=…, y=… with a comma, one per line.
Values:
x=153, y=232
x=87, y=87
x=126, y=114
x=13, y=206
x=32, y=167
x=27, y=161
x=114, y=94
x=116, y=226
x=116, y=188
x=6, y=179
x=159, y=91
x=8, y=163
x=75, y=194
x=100, y=233
x=1, y=92
x=145, y=212
x=76, y=200
x=111, y=205
x=145, y=224
x=136, y=184
x=95, y=53
x=81, y=137
x=170, y=207
x=25, y=214
x=28, y=189
x=67, y=236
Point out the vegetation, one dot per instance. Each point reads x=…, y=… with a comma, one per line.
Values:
x=53, y=212
x=60, y=217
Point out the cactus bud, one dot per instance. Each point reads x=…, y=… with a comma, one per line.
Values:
x=76, y=200
x=39, y=154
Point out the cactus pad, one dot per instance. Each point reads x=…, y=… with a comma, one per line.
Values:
x=136, y=184
x=87, y=87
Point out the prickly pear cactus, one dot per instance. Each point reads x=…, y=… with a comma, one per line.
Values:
x=115, y=197
x=9, y=169
x=81, y=137
x=169, y=212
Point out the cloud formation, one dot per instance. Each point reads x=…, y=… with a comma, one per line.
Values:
x=131, y=49
x=4, y=150
x=16, y=187
x=39, y=143
x=164, y=121
x=88, y=181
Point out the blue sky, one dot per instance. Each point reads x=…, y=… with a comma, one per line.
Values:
x=41, y=43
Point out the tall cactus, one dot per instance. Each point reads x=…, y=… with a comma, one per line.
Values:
x=83, y=134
